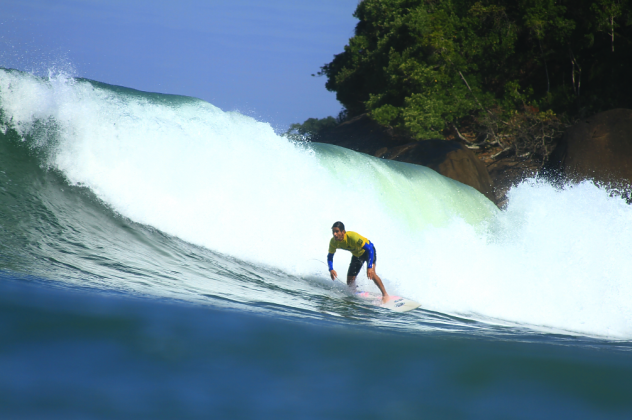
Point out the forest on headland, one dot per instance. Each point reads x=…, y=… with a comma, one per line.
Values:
x=514, y=73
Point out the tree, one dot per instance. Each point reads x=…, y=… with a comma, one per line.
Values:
x=311, y=127
x=608, y=12
x=426, y=66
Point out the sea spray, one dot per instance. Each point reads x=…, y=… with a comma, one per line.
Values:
x=222, y=180
x=555, y=259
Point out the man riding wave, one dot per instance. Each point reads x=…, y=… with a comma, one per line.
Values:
x=362, y=251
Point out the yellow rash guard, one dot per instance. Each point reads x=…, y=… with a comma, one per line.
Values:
x=354, y=243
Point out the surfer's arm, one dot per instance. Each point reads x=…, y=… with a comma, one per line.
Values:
x=368, y=247
x=330, y=263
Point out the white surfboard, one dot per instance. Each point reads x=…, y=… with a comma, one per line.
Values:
x=395, y=303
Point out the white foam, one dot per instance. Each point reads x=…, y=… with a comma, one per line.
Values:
x=557, y=260
x=222, y=180
x=553, y=259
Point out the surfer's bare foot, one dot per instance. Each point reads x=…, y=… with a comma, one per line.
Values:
x=385, y=298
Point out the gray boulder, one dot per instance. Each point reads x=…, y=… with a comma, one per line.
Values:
x=597, y=148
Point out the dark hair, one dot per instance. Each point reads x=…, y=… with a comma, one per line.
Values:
x=339, y=225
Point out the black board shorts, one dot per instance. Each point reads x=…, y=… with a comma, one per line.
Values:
x=357, y=262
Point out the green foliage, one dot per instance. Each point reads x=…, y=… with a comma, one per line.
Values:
x=425, y=65
x=608, y=14
x=310, y=128
x=533, y=132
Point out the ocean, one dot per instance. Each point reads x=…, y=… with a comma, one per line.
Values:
x=162, y=258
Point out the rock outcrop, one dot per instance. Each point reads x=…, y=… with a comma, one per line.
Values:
x=597, y=148
x=449, y=158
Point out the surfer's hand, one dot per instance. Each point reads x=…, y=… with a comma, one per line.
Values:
x=370, y=273
x=333, y=274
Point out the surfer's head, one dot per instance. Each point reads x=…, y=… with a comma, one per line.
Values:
x=338, y=229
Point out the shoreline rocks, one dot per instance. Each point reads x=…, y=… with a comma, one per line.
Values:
x=597, y=148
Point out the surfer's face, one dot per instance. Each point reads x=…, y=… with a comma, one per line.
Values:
x=339, y=235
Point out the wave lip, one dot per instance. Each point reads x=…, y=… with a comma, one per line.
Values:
x=554, y=260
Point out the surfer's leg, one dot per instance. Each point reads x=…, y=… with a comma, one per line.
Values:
x=351, y=282
x=354, y=268
x=378, y=282
x=376, y=279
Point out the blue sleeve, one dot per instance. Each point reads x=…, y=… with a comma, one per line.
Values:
x=368, y=247
x=330, y=261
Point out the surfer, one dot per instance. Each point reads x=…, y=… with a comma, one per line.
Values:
x=362, y=251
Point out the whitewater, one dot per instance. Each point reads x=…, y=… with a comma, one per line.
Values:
x=169, y=197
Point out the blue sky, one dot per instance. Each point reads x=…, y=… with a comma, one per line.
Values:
x=256, y=57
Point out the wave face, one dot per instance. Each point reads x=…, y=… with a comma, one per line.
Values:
x=168, y=196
